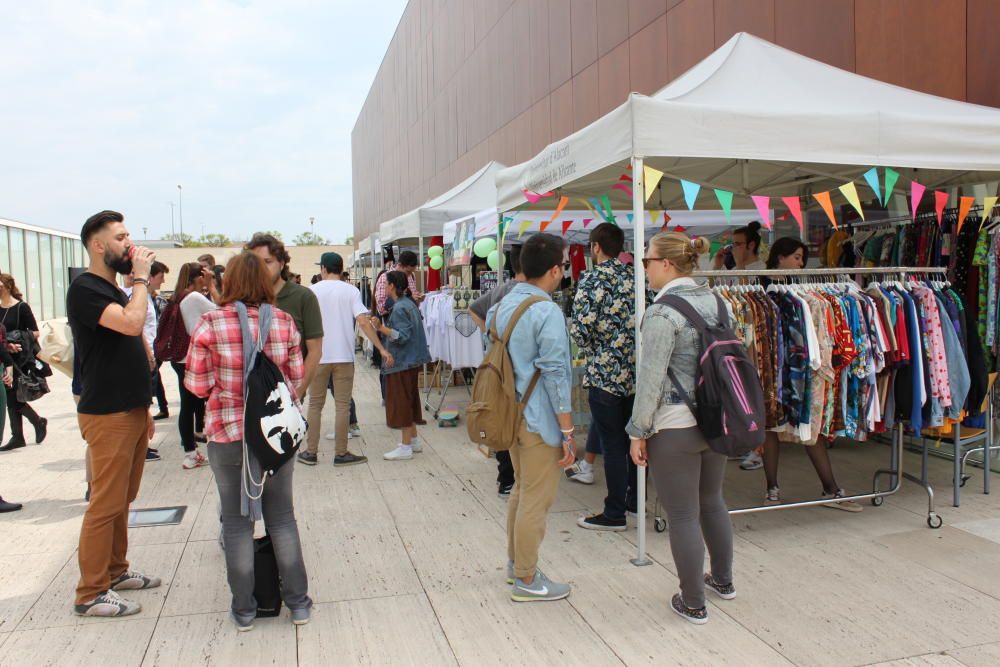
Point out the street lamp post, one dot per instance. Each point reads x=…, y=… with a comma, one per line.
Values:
x=312, y=233
x=180, y=210
x=173, y=233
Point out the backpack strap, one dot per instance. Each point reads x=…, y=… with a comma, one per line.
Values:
x=514, y=319
x=684, y=307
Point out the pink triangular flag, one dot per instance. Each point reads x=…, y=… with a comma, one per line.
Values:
x=587, y=221
x=795, y=208
x=916, y=194
x=763, y=204
x=534, y=198
x=940, y=201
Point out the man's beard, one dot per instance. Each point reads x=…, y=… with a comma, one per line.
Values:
x=121, y=264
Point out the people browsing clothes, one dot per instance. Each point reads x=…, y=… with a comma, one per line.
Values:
x=791, y=254
x=406, y=351
x=22, y=336
x=341, y=308
x=603, y=326
x=688, y=475
x=215, y=371
x=544, y=446
x=190, y=304
x=113, y=411
x=477, y=311
x=7, y=363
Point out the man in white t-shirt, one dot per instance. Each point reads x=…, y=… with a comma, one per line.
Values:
x=340, y=305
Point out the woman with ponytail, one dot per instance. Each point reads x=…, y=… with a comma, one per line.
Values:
x=687, y=474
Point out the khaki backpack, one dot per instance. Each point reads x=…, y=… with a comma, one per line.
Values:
x=493, y=417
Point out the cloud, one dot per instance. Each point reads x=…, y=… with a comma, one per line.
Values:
x=249, y=105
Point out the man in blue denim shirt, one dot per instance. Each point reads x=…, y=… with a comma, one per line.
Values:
x=545, y=441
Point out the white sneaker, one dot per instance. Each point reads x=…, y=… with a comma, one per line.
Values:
x=401, y=453
x=354, y=432
x=752, y=461
x=581, y=472
x=332, y=435
x=416, y=445
x=194, y=460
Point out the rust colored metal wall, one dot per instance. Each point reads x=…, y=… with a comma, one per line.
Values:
x=468, y=81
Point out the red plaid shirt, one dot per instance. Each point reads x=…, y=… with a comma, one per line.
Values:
x=215, y=365
x=382, y=291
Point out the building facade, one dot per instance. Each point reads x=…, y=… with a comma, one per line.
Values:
x=40, y=259
x=464, y=82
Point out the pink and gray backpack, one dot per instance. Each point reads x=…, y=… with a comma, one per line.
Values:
x=728, y=399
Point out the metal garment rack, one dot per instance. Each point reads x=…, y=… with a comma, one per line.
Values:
x=895, y=466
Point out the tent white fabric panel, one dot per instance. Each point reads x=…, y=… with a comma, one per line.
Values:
x=755, y=117
x=475, y=193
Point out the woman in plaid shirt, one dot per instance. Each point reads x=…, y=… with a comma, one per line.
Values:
x=215, y=372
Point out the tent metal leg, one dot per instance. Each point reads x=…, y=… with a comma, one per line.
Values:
x=641, y=558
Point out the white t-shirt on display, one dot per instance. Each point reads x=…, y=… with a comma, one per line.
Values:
x=340, y=304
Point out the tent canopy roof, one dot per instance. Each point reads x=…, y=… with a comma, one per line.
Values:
x=475, y=193
x=755, y=118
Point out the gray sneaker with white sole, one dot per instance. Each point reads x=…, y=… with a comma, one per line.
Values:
x=541, y=589
x=108, y=604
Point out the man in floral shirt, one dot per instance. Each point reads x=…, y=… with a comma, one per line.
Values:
x=603, y=326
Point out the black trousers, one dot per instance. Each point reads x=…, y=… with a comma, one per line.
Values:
x=192, y=416
x=16, y=410
x=505, y=469
x=158, y=392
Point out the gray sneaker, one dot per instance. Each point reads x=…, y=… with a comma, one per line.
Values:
x=542, y=589
x=242, y=624
x=301, y=616
x=108, y=604
x=133, y=581
x=510, y=572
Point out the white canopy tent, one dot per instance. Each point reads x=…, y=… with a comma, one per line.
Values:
x=754, y=118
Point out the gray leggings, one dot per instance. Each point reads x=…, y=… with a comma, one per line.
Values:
x=688, y=478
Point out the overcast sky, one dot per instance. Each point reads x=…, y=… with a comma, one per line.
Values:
x=247, y=104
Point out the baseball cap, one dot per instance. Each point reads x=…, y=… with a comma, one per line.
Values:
x=331, y=261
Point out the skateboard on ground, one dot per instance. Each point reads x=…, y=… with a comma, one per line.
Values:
x=448, y=418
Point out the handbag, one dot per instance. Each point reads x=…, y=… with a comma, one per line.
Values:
x=29, y=387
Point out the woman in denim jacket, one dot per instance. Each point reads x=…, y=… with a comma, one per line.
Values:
x=406, y=342
x=687, y=474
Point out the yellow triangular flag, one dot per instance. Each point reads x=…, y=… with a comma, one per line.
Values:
x=653, y=215
x=523, y=228
x=851, y=194
x=988, y=204
x=650, y=179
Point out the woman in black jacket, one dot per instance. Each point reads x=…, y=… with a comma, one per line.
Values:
x=16, y=315
x=8, y=371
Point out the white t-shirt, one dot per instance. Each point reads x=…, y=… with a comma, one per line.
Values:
x=193, y=306
x=340, y=304
x=149, y=326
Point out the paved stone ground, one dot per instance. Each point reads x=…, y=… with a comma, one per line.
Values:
x=406, y=565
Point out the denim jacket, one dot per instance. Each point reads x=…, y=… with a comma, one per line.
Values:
x=540, y=341
x=668, y=340
x=407, y=343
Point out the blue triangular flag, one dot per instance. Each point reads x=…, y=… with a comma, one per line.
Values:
x=872, y=177
x=690, y=193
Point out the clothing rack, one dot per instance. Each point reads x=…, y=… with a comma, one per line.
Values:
x=907, y=219
x=895, y=469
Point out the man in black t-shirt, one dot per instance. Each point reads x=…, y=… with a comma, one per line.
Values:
x=113, y=410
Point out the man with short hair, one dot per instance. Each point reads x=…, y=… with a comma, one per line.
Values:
x=294, y=299
x=544, y=444
x=113, y=410
x=212, y=288
x=340, y=306
x=407, y=264
x=603, y=326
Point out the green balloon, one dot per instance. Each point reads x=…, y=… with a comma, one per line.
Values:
x=484, y=247
x=437, y=261
x=435, y=251
x=493, y=260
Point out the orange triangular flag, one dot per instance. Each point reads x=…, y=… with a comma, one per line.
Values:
x=824, y=200
x=964, y=207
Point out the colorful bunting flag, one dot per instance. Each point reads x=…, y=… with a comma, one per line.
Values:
x=795, y=208
x=589, y=205
x=566, y=226
x=559, y=209
x=824, y=200
x=624, y=188
x=653, y=215
x=872, y=177
x=940, y=201
x=916, y=194
x=609, y=215
x=725, y=198
x=690, y=193
x=988, y=204
x=763, y=204
x=650, y=179
x=851, y=194
x=534, y=197
x=587, y=221
x=523, y=228
x=891, y=176
x=965, y=205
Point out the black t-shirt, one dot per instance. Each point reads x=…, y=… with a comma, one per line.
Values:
x=19, y=316
x=113, y=367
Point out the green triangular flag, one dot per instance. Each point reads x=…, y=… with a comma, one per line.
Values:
x=891, y=176
x=725, y=198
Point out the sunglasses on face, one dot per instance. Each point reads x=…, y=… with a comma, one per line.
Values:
x=647, y=260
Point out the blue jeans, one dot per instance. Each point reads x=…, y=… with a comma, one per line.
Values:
x=610, y=415
x=226, y=459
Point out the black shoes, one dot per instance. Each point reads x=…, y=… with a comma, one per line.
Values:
x=601, y=522
x=9, y=507
x=696, y=616
x=503, y=490
x=307, y=458
x=13, y=443
x=41, y=430
x=153, y=455
x=162, y=414
x=348, y=459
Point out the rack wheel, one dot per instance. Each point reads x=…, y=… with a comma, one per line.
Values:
x=660, y=524
x=877, y=501
x=934, y=521
x=965, y=478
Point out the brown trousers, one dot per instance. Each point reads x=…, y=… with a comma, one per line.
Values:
x=117, y=445
x=343, y=386
x=536, y=475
